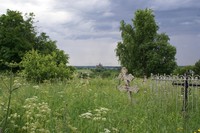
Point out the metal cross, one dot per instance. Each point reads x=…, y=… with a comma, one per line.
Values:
x=185, y=84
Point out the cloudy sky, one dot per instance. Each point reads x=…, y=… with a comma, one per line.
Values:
x=88, y=30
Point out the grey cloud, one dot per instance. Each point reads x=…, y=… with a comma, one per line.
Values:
x=172, y=21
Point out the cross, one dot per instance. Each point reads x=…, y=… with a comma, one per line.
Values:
x=185, y=84
x=127, y=78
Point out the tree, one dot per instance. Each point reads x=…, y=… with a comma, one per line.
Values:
x=197, y=67
x=17, y=36
x=142, y=50
x=44, y=45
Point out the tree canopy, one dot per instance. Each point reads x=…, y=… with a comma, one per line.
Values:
x=143, y=50
x=18, y=35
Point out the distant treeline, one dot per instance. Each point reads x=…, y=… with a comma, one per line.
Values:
x=94, y=67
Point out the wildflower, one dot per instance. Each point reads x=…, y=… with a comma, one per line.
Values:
x=12, y=121
x=198, y=130
x=35, y=113
x=16, y=126
x=115, y=129
x=103, y=119
x=87, y=115
x=2, y=104
x=36, y=87
x=17, y=84
x=179, y=129
x=24, y=128
x=15, y=115
x=96, y=118
x=74, y=129
x=106, y=130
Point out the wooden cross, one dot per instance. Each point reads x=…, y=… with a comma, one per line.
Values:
x=127, y=78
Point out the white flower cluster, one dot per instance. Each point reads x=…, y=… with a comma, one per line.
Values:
x=2, y=104
x=17, y=84
x=114, y=130
x=36, y=115
x=97, y=115
x=13, y=118
x=86, y=115
x=36, y=87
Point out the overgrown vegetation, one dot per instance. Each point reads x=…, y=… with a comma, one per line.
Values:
x=38, y=67
x=95, y=105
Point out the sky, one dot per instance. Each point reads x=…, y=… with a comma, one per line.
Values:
x=88, y=30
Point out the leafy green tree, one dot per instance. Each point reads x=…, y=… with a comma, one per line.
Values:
x=44, y=45
x=197, y=67
x=40, y=67
x=17, y=36
x=143, y=50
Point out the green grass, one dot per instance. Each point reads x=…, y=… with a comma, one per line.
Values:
x=57, y=108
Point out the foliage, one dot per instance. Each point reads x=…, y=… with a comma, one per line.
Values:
x=11, y=86
x=98, y=107
x=144, y=51
x=181, y=70
x=17, y=36
x=197, y=67
x=41, y=67
x=44, y=45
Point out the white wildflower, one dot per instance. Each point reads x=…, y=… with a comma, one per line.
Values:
x=97, y=118
x=115, y=129
x=106, y=130
x=87, y=115
x=103, y=119
x=36, y=87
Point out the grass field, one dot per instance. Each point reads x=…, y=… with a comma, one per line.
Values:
x=95, y=106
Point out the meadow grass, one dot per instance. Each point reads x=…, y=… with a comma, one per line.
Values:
x=96, y=106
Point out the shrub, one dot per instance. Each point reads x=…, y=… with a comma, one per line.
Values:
x=40, y=67
x=197, y=67
x=181, y=70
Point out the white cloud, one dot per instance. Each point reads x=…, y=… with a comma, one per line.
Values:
x=88, y=5
x=91, y=52
x=186, y=23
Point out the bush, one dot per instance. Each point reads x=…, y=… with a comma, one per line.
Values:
x=40, y=67
x=197, y=67
x=181, y=70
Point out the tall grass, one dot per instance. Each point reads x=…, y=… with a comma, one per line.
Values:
x=95, y=105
